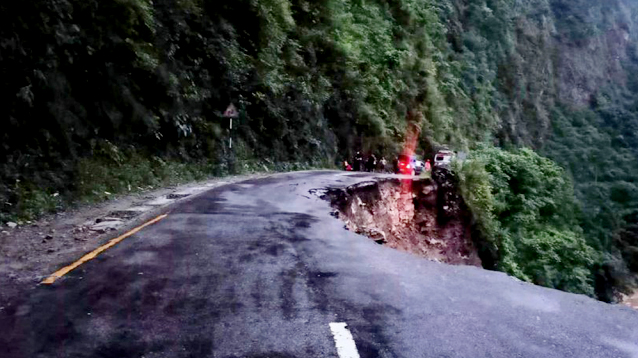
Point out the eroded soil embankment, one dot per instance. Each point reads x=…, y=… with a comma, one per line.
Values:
x=424, y=217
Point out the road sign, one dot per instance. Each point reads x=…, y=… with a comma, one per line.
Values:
x=231, y=111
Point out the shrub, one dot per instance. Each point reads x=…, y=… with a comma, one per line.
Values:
x=525, y=212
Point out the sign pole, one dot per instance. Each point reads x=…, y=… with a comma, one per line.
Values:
x=230, y=113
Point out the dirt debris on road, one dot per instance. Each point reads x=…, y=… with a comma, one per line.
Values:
x=631, y=300
x=30, y=252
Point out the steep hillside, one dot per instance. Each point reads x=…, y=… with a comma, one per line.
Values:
x=95, y=106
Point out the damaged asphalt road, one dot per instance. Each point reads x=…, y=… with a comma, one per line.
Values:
x=261, y=268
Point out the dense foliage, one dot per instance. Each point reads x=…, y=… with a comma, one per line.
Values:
x=105, y=96
x=311, y=79
x=527, y=216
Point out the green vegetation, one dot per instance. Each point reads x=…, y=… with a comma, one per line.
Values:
x=94, y=105
x=527, y=215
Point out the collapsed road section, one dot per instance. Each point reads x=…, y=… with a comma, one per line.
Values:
x=426, y=217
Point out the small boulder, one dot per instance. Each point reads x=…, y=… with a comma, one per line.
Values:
x=105, y=226
x=428, y=189
x=12, y=225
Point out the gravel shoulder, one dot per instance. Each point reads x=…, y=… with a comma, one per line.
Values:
x=31, y=252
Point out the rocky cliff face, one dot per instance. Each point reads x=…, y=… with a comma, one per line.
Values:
x=595, y=58
x=425, y=217
x=563, y=53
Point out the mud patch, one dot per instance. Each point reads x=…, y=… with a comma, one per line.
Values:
x=426, y=217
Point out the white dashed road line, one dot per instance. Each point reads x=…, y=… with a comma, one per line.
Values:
x=346, y=348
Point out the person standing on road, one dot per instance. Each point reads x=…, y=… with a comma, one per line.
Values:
x=428, y=166
x=371, y=163
x=358, y=162
x=382, y=165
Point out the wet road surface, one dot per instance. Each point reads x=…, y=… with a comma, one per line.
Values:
x=261, y=269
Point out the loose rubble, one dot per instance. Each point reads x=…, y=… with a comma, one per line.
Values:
x=424, y=217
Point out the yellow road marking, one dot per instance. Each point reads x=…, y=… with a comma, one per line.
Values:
x=91, y=255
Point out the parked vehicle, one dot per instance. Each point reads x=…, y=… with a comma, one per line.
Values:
x=409, y=164
x=419, y=165
x=443, y=158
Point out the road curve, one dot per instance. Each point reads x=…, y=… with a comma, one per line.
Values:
x=261, y=269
